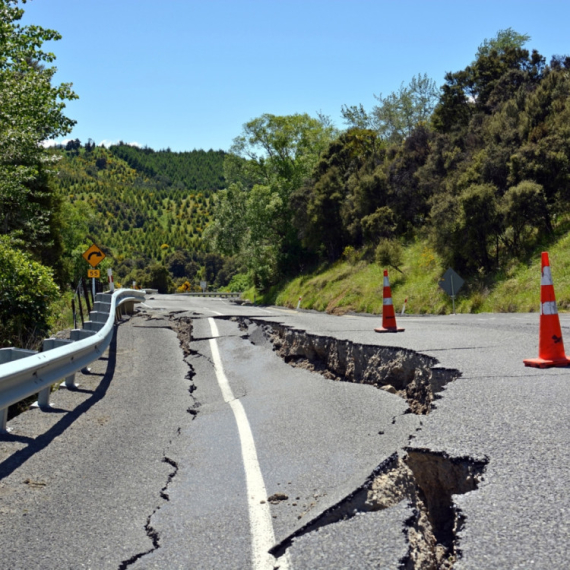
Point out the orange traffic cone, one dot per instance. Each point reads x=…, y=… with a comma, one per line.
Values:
x=550, y=344
x=388, y=316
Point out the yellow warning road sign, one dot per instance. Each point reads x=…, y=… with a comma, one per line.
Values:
x=93, y=273
x=94, y=256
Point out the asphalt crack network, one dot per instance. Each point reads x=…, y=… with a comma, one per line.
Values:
x=426, y=479
x=182, y=326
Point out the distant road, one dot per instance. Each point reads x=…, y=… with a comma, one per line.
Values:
x=169, y=455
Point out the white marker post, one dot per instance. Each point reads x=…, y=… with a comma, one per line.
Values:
x=299, y=303
x=110, y=276
x=404, y=307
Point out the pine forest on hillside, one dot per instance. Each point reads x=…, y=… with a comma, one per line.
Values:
x=197, y=170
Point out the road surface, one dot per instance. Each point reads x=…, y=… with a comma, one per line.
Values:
x=214, y=432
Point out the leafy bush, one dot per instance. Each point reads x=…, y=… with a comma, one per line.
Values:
x=27, y=289
x=238, y=283
x=158, y=277
x=389, y=253
x=350, y=254
x=184, y=287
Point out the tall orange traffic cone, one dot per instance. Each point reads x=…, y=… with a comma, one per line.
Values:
x=550, y=344
x=388, y=316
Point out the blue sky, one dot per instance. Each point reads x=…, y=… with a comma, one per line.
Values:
x=188, y=74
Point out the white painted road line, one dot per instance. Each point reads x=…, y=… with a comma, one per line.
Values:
x=262, y=535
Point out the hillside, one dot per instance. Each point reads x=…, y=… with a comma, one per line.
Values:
x=473, y=175
x=354, y=284
x=143, y=213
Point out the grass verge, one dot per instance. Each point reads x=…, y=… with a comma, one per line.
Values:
x=356, y=285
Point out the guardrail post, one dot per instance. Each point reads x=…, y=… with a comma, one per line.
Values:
x=43, y=398
x=49, y=344
x=3, y=420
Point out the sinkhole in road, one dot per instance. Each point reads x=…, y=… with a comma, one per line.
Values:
x=426, y=479
x=415, y=377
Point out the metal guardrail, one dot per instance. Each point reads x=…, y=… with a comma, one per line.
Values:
x=213, y=294
x=24, y=372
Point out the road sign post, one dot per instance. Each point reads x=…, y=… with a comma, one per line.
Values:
x=451, y=283
x=93, y=256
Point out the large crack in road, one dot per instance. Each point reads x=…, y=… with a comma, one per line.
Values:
x=426, y=479
x=415, y=377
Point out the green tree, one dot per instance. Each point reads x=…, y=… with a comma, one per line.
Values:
x=27, y=290
x=281, y=149
x=159, y=278
x=500, y=69
x=345, y=186
x=31, y=111
x=228, y=233
x=400, y=112
x=467, y=228
x=267, y=163
x=503, y=41
x=524, y=209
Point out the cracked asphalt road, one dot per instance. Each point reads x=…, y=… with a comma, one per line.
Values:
x=77, y=484
x=81, y=487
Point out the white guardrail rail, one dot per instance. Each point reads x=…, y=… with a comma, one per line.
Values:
x=214, y=294
x=27, y=372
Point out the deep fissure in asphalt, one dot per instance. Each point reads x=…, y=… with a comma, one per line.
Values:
x=426, y=479
x=413, y=376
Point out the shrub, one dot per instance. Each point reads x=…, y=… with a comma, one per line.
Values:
x=350, y=255
x=238, y=283
x=389, y=253
x=184, y=287
x=27, y=289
